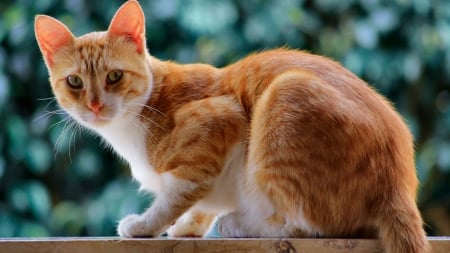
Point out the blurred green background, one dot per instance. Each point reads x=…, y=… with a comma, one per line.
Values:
x=56, y=180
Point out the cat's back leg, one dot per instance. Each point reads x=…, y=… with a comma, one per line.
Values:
x=274, y=189
x=328, y=159
x=307, y=141
x=194, y=223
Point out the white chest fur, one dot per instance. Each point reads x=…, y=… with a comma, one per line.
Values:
x=128, y=139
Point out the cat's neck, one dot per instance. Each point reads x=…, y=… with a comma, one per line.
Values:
x=128, y=138
x=124, y=133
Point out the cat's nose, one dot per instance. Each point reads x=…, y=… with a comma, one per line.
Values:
x=95, y=106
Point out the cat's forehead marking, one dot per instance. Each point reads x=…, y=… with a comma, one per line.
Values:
x=91, y=58
x=91, y=53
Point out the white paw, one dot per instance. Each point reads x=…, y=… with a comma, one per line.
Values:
x=133, y=226
x=228, y=226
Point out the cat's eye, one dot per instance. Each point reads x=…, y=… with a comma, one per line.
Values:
x=114, y=76
x=74, y=82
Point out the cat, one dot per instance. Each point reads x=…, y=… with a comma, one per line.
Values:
x=282, y=143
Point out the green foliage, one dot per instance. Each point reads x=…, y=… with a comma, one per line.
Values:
x=56, y=179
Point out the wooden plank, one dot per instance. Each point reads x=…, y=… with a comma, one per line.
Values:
x=190, y=245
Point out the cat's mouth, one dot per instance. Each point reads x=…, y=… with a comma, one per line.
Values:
x=96, y=120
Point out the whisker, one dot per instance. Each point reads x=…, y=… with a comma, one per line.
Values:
x=62, y=135
x=68, y=133
x=150, y=108
x=52, y=100
x=48, y=114
x=46, y=99
x=146, y=119
x=65, y=120
x=71, y=129
x=75, y=128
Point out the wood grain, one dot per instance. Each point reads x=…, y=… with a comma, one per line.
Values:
x=189, y=245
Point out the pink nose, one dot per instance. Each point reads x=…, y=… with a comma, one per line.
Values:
x=95, y=107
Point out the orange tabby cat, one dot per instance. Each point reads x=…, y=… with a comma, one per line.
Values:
x=280, y=144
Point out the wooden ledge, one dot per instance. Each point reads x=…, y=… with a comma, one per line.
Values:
x=208, y=245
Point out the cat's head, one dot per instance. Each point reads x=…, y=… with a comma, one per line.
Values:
x=100, y=77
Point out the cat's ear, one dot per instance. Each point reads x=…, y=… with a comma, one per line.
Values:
x=129, y=21
x=51, y=36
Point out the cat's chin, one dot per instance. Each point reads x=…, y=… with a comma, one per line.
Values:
x=98, y=122
x=95, y=121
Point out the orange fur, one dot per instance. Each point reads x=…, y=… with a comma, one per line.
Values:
x=281, y=143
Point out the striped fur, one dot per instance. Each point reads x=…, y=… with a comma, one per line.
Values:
x=280, y=144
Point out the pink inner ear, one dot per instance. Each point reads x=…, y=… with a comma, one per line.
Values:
x=129, y=21
x=51, y=36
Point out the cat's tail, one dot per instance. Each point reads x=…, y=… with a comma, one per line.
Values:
x=401, y=227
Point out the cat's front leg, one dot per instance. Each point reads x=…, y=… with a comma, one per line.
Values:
x=190, y=159
x=134, y=225
x=168, y=206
